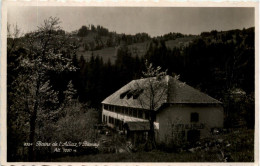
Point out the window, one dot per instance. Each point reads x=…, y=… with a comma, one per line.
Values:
x=121, y=110
x=116, y=109
x=105, y=107
x=129, y=95
x=113, y=120
x=140, y=114
x=122, y=95
x=112, y=108
x=134, y=112
x=194, y=117
x=125, y=110
x=104, y=118
x=137, y=93
x=130, y=111
x=146, y=115
x=120, y=125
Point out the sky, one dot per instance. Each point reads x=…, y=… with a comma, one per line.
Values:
x=131, y=20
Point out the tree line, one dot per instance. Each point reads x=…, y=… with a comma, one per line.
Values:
x=93, y=37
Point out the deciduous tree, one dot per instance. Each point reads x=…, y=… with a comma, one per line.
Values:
x=47, y=51
x=154, y=89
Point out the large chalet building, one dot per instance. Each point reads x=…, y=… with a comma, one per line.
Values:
x=181, y=112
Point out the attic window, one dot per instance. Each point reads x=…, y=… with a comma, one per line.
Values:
x=129, y=93
x=137, y=93
x=122, y=95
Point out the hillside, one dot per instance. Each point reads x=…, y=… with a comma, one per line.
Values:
x=138, y=49
x=99, y=41
x=180, y=42
x=110, y=52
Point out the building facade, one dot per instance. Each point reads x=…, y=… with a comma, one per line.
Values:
x=181, y=112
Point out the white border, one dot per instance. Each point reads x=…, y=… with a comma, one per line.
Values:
x=133, y=3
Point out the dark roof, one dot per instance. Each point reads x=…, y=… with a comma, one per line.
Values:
x=137, y=93
x=138, y=126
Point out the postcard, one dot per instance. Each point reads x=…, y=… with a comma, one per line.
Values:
x=134, y=83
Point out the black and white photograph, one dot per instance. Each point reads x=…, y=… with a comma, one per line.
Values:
x=130, y=84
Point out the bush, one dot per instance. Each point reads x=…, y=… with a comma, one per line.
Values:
x=77, y=126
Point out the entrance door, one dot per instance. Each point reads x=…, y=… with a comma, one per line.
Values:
x=193, y=136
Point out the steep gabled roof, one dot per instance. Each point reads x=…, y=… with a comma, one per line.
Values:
x=137, y=94
x=181, y=93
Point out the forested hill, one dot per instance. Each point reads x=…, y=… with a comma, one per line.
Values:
x=99, y=41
